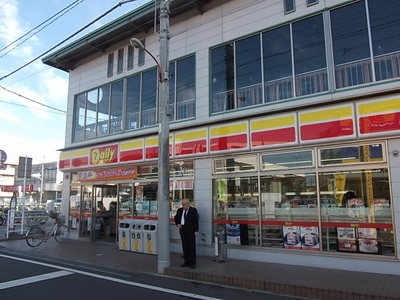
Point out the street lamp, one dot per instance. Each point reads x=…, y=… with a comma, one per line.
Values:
x=163, y=229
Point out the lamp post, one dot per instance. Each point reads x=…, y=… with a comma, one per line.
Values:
x=163, y=229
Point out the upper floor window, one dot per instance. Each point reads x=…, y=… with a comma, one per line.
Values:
x=120, y=60
x=292, y=60
x=182, y=88
x=110, y=64
x=289, y=6
x=237, y=67
x=132, y=102
x=312, y=2
x=141, y=55
x=129, y=62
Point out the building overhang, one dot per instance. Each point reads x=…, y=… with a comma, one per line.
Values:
x=134, y=23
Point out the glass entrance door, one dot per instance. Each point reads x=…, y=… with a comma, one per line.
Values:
x=104, y=213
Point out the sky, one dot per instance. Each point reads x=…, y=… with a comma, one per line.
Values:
x=28, y=128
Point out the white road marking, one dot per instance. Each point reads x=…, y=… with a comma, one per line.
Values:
x=32, y=279
x=141, y=285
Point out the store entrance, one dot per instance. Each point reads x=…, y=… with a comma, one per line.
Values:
x=104, y=221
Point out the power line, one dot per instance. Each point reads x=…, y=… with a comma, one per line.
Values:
x=63, y=11
x=22, y=105
x=34, y=101
x=66, y=39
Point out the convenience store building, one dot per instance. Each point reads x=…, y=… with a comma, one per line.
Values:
x=284, y=131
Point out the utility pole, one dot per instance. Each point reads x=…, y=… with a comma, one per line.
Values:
x=163, y=229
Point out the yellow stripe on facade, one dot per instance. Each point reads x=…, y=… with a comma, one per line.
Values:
x=65, y=155
x=80, y=153
x=326, y=114
x=379, y=106
x=273, y=123
x=227, y=130
x=131, y=145
x=151, y=142
x=191, y=135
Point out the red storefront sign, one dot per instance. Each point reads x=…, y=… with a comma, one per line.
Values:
x=15, y=188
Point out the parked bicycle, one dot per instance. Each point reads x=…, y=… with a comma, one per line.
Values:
x=3, y=219
x=38, y=234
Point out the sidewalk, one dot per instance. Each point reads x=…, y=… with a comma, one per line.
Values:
x=313, y=283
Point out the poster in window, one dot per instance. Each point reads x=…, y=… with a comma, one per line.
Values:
x=368, y=245
x=233, y=234
x=291, y=237
x=309, y=238
x=347, y=239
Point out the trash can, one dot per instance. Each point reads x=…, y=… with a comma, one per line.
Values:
x=136, y=235
x=124, y=241
x=220, y=253
x=150, y=237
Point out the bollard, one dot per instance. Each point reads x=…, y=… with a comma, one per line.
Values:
x=220, y=247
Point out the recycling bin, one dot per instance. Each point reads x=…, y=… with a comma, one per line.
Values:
x=124, y=240
x=150, y=237
x=136, y=235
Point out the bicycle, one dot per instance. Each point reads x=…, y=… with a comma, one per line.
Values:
x=3, y=219
x=37, y=234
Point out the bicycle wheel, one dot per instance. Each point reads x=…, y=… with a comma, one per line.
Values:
x=62, y=234
x=35, y=236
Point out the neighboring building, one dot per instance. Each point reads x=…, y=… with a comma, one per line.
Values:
x=284, y=132
x=6, y=179
x=44, y=177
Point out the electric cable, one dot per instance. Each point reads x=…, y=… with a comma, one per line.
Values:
x=66, y=39
x=63, y=11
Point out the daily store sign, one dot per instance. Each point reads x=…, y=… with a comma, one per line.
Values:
x=104, y=155
x=108, y=174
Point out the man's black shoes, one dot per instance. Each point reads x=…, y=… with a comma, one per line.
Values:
x=193, y=266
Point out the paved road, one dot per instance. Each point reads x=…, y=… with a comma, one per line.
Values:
x=23, y=278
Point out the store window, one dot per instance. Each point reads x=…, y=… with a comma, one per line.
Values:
x=235, y=164
x=336, y=201
x=356, y=211
x=237, y=209
x=352, y=154
x=287, y=160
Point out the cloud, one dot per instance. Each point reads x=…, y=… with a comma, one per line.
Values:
x=41, y=150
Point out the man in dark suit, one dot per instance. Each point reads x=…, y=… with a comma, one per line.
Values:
x=187, y=220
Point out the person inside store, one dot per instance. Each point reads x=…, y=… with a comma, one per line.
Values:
x=187, y=220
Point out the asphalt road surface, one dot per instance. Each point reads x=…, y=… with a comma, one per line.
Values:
x=30, y=278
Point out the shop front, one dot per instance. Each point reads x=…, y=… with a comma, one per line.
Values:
x=100, y=198
x=324, y=199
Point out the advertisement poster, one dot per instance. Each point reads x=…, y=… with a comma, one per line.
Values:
x=233, y=234
x=367, y=240
x=309, y=238
x=347, y=239
x=291, y=237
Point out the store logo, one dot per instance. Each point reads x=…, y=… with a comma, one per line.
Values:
x=104, y=155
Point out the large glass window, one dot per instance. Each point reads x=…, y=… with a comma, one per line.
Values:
x=359, y=201
x=116, y=106
x=351, y=49
x=237, y=208
x=149, y=98
x=80, y=115
x=300, y=206
x=103, y=114
x=248, y=72
x=277, y=64
x=223, y=78
x=182, y=88
x=385, y=28
x=309, y=56
x=133, y=102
